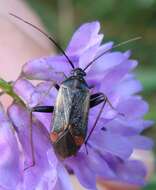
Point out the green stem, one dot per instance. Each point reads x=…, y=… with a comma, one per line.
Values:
x=7, y=88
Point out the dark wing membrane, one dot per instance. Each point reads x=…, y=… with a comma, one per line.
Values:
x=78, y=117
x=71, y=110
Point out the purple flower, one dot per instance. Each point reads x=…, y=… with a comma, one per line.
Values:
x=115, y=137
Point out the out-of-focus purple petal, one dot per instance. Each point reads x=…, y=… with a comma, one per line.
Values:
x=43, y=94
x=24, y=89
x=126, y=127
x=50, y=68
x=104, y=48
x=128, y=171
x=114, y=75
x=11, y=174
x=46, y=92
x=108, y=61
x=85, y=174
x=91, y=54
x=63, y=180
x=42, y=174
x=45, y=119
x=111, y=143
x=22, y=125
x=128, y=87
x=121, y=127
x=85, y=37
x=132, y=172
x=141, y=142
x=100, y=124
x=127, y=54
x=147, y=124
x=133, y=107
x=99, y=165
x=88, y=56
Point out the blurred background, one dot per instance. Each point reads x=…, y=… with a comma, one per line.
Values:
x=120, y=20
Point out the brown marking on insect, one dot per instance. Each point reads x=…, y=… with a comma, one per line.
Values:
x=78, y=140
x=54, y=136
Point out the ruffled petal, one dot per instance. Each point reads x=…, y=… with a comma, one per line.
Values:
x=43, y=94
x=53, y=68
x=116, y=74
x=141, y=142
x=11, y=174
x=115, y=144
x=87, y=177
x=88, y=56
x=42, y=174
x=126, y=127
x=132, y=172
x=24, y=89
x=63, y=180
x=128, y=87
x=133, y=107
x=107, y=61
x=80, y=42
x=129, y=171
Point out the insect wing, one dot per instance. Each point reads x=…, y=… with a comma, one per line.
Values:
x=71, y=110
x=79, y=113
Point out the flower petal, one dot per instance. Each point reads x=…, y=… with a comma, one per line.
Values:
x=53, y=68
x=141, y=142
x=111, y=143
x=116, y=74
x=43, y=94
x=126, y=127
x=128, y=87
x=128, y=171
x=88, y=56
x=132, y=172
x=133, y=107
x=24, y=89
x=77, y=163
x=63, y=181
x=107, y=61
x=42, y=174
x=11, y=174
x=80, y=42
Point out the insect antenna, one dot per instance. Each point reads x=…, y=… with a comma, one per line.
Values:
x=118, y=45
x=45, y=34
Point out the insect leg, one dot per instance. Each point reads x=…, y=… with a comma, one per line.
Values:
x=98, y=98
x=98, y=116
x=57, y=86
x=31, y=143
x=44, y=109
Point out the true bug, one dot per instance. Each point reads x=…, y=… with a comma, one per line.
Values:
x=69, y=130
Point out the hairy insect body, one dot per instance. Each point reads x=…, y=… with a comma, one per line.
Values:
x=69, y=126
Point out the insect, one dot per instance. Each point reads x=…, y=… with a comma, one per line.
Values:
x=73, y=102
